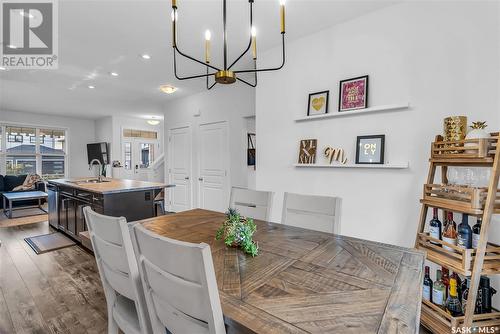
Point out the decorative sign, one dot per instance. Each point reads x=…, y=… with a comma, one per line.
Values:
x=336, y=154
x=318, y=103
x=370, y=149
x=353, y=93
x=307, y=151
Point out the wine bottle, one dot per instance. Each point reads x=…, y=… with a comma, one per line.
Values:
x=457, y=278
x=464, y=236
x=453, y=305
x=438, y=290
x=465, y=293
x=435, y=228
x=450, y=232
x=445, y=278
x=476, y=232
x=427, y=289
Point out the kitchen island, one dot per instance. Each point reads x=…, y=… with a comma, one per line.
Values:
x=131, y=199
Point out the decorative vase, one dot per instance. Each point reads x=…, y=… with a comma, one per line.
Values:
x=477, y=132
x=454, y=128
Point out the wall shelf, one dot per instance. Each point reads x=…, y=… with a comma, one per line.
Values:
x=385, y=166
x=386, y=108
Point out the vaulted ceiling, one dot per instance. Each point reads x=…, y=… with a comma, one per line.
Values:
x=99, y=37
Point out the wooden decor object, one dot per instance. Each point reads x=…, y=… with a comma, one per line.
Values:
x=336, y=154
x=307, y=151
x=481, y=202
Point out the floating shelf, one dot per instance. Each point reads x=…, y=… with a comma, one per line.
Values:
x=386, y=108
x=385, y=166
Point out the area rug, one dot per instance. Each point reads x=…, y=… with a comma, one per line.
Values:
x=34, y=216
x=49, y=242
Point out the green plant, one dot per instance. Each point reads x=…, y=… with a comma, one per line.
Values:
x=238, y=231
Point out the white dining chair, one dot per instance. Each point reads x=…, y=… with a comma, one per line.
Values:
x=116, y=261
x=251, y=203
x=319, y=213
x=179, y=284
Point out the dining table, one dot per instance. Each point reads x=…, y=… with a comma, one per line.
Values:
x=305, y=281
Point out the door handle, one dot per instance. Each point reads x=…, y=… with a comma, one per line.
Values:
x=200, y=179
x=186, y=178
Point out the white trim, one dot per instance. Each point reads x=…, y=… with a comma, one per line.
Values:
x=403, y=165
x=385, y=108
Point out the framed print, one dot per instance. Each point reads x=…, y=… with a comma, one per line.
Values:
x=370, y=149
x=307, y=151
x=353, y=94
x=318, y=103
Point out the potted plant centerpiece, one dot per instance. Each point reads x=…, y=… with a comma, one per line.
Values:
x=237, y=231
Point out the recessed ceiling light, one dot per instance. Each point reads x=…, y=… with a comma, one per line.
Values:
x=91, y=87
x=2, y=68
x=168, y=89
x=145, y=56
x=113, y=74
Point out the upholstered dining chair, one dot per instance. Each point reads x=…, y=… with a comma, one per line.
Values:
x=179, y=284
x=251, y=203
x=319, y=213
x=114, y=253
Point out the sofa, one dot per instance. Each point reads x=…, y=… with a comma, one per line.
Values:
x=9, y=182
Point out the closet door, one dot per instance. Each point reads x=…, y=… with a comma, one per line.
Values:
x=179, y=171
x=213, y=159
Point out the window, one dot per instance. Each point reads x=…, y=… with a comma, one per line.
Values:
x=26, y=150
x=147, y=154
x=128, y=155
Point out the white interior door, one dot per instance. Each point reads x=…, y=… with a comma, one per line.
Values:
x=180, y=169
x=213, y=185
x=138, y=155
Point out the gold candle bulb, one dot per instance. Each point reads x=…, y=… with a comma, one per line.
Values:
x=282, y=15
x=254, y=43
x=208, y=36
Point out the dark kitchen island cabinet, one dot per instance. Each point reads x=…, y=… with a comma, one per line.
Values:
x=131, y=199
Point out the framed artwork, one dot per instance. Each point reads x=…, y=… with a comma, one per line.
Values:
x=353, y=93
x=370, y=149
x=307, y=151
x=251, y=149
x=318, y=103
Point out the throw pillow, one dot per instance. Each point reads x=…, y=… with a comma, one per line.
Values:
x=29, y=182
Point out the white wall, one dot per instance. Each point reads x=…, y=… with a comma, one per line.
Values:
x=441, y=57
x=232, y=104
x=80, y=133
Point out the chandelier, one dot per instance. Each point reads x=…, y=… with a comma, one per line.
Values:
x=226, y=75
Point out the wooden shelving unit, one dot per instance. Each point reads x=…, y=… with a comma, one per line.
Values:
x=480, y=202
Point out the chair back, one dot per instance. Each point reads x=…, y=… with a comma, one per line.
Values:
x=179, y=284
x=116, y=261
x=251, y=203
x=319, y=213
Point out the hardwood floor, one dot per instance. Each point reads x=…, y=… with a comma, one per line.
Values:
x=56, y=292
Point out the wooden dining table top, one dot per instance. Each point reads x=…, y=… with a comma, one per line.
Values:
x=305, y=281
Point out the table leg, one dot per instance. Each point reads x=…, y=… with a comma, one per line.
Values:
x=10, y=209
x=4, y=206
